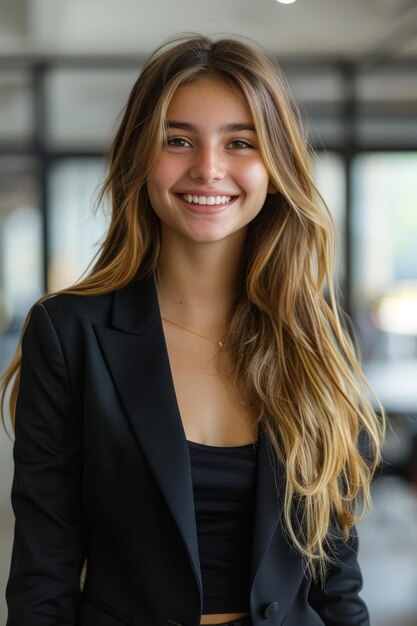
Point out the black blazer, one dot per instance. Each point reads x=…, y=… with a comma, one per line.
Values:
x=102, y=472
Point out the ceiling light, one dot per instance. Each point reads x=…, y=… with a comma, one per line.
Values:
x=286, y=1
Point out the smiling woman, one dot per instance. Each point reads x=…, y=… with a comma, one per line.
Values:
x=187, y=415
x=210, y=180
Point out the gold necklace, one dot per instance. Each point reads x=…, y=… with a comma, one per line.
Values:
x=220, y=342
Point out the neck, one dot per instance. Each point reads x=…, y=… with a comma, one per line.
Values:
x=197, y=284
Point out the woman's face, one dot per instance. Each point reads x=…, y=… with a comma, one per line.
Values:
x=210, y=180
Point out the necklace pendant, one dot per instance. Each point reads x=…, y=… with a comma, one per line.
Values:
x=221, y=343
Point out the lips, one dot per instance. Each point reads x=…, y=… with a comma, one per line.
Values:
x=205, y=200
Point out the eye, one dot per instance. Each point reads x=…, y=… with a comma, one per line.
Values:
x=177, y=142
x=240, y=144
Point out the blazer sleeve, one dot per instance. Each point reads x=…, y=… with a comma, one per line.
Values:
x=43, y=587
x=338, y=601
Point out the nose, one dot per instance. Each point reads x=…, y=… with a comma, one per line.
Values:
x=207, y=165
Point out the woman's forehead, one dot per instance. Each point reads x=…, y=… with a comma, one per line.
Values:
x=209, y=102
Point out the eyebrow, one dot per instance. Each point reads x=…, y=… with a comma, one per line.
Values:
x=224, y=128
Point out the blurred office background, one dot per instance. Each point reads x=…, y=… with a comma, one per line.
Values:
x=66, y=68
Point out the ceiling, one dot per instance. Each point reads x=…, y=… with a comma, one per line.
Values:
x=344, y=29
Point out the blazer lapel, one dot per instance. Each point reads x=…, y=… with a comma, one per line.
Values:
x=267, y=505
x=269, y=534
x=136, y=355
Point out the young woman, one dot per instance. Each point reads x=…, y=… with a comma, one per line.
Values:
x=187, y=416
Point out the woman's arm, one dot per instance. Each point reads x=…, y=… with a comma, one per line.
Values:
x=43, y=588
x=337, y=601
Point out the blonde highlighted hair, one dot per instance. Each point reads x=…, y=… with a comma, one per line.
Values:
x=287, y=350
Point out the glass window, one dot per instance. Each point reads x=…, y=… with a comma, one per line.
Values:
x=83, y=105
x=388, y=85
x=325, y=129
x=387, y=112
x=385, y=273
x=75, y=231
x=329, y=175
x=16, y=107
x=312, y=85
x=319, y=92
x=387, y=129
x=20, y=248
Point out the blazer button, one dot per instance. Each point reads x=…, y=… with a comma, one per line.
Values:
x=271, y=610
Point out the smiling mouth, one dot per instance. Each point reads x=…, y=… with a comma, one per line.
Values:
x=206, y=200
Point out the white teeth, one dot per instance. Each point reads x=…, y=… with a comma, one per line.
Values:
x=206, y=199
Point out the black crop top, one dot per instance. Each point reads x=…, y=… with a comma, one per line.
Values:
x=224, y=491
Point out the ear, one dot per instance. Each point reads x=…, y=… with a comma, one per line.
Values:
x=271, y=188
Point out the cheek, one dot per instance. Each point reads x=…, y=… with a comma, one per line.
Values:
x=257, y=178
x=163, y=174
x=156, y=180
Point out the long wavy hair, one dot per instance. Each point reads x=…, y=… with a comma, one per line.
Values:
x=287, y=350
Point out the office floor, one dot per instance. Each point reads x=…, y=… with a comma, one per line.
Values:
x=388, y=551
x=388, y=554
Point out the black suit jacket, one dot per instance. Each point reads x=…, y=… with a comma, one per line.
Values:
x=102, y=472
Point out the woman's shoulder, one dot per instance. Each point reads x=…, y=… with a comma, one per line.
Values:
x=66, y=305
x=72, y=306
